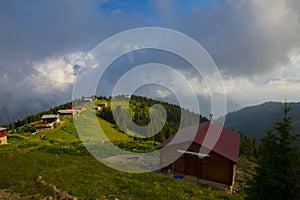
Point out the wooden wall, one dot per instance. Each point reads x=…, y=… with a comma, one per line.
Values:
x=214, y=168
x=217, y=168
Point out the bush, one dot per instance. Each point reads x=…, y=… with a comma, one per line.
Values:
x=75, y=148
x=26, y=144
x=136, y=146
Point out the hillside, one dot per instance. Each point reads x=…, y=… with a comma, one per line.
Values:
x=253, y=121
x=55, y=163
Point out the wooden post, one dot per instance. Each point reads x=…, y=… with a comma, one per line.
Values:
x=185, y=163
x=199, y=168
x=173, y=167
x=233, y=175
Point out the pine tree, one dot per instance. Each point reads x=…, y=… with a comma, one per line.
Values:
x=246, y=147
x=276, y=176
x=255, y=148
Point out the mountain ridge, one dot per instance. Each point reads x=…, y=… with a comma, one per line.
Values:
x=254, y=121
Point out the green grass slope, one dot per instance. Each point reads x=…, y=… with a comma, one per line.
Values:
x=60, y=158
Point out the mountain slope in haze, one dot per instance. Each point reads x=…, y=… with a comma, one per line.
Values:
x=13, y=112
x=13, y=109
x=253, y=121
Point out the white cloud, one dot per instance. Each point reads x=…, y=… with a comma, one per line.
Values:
x=282, y=83
x=54, y=74
x=163, y=93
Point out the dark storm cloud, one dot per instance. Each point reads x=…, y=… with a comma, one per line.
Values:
x=32, y=32
x=241, y=36
x=244, y=37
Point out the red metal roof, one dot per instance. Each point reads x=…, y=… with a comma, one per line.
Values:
x=3, y=135
x=226, y=144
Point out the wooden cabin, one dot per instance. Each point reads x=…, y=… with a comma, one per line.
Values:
x=50, y=119
x=88, y=100
x=43, y=127
x=3, y=135
x=68, y=111
x=215, y=167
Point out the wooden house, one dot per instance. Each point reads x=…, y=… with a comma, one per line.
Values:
x=3, y=135
x=79, y=109
x=88, y=100
x=43, y=127
x=50, y=119
x=68, y=111
x=215, y=167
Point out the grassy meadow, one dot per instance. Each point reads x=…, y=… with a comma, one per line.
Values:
x=60, y=158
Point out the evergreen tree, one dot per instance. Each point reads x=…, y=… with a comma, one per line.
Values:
x=276, y=176
x=255, y=148
x=246, y=147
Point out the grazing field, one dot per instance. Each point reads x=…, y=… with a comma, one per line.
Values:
x=85, y=177
x=60, y=159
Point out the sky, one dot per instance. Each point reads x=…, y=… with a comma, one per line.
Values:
x=255, y=45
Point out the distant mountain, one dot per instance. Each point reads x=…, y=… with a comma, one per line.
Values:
x=253, y=121
x=19, y=109
x=205, y=104
x=11, y=113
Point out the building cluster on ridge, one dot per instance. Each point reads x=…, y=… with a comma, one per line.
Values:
x=51, y=120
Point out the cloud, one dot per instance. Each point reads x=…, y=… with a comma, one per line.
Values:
x=162, y=93
x=282, y=83
x=54, y=74
x=254, y=43
x=245, y=38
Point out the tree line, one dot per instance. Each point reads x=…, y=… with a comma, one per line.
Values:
x=278, y=173
x=249, y=148
x=139, y=114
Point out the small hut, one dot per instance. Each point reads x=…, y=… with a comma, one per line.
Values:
x=215, y=168
x=43, y=127
x=50, y=119
x=68, y=111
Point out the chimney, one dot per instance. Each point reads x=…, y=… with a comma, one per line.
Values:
x=211, y=118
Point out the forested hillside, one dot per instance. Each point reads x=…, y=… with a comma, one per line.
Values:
x=253, y=121
x=139, y=112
